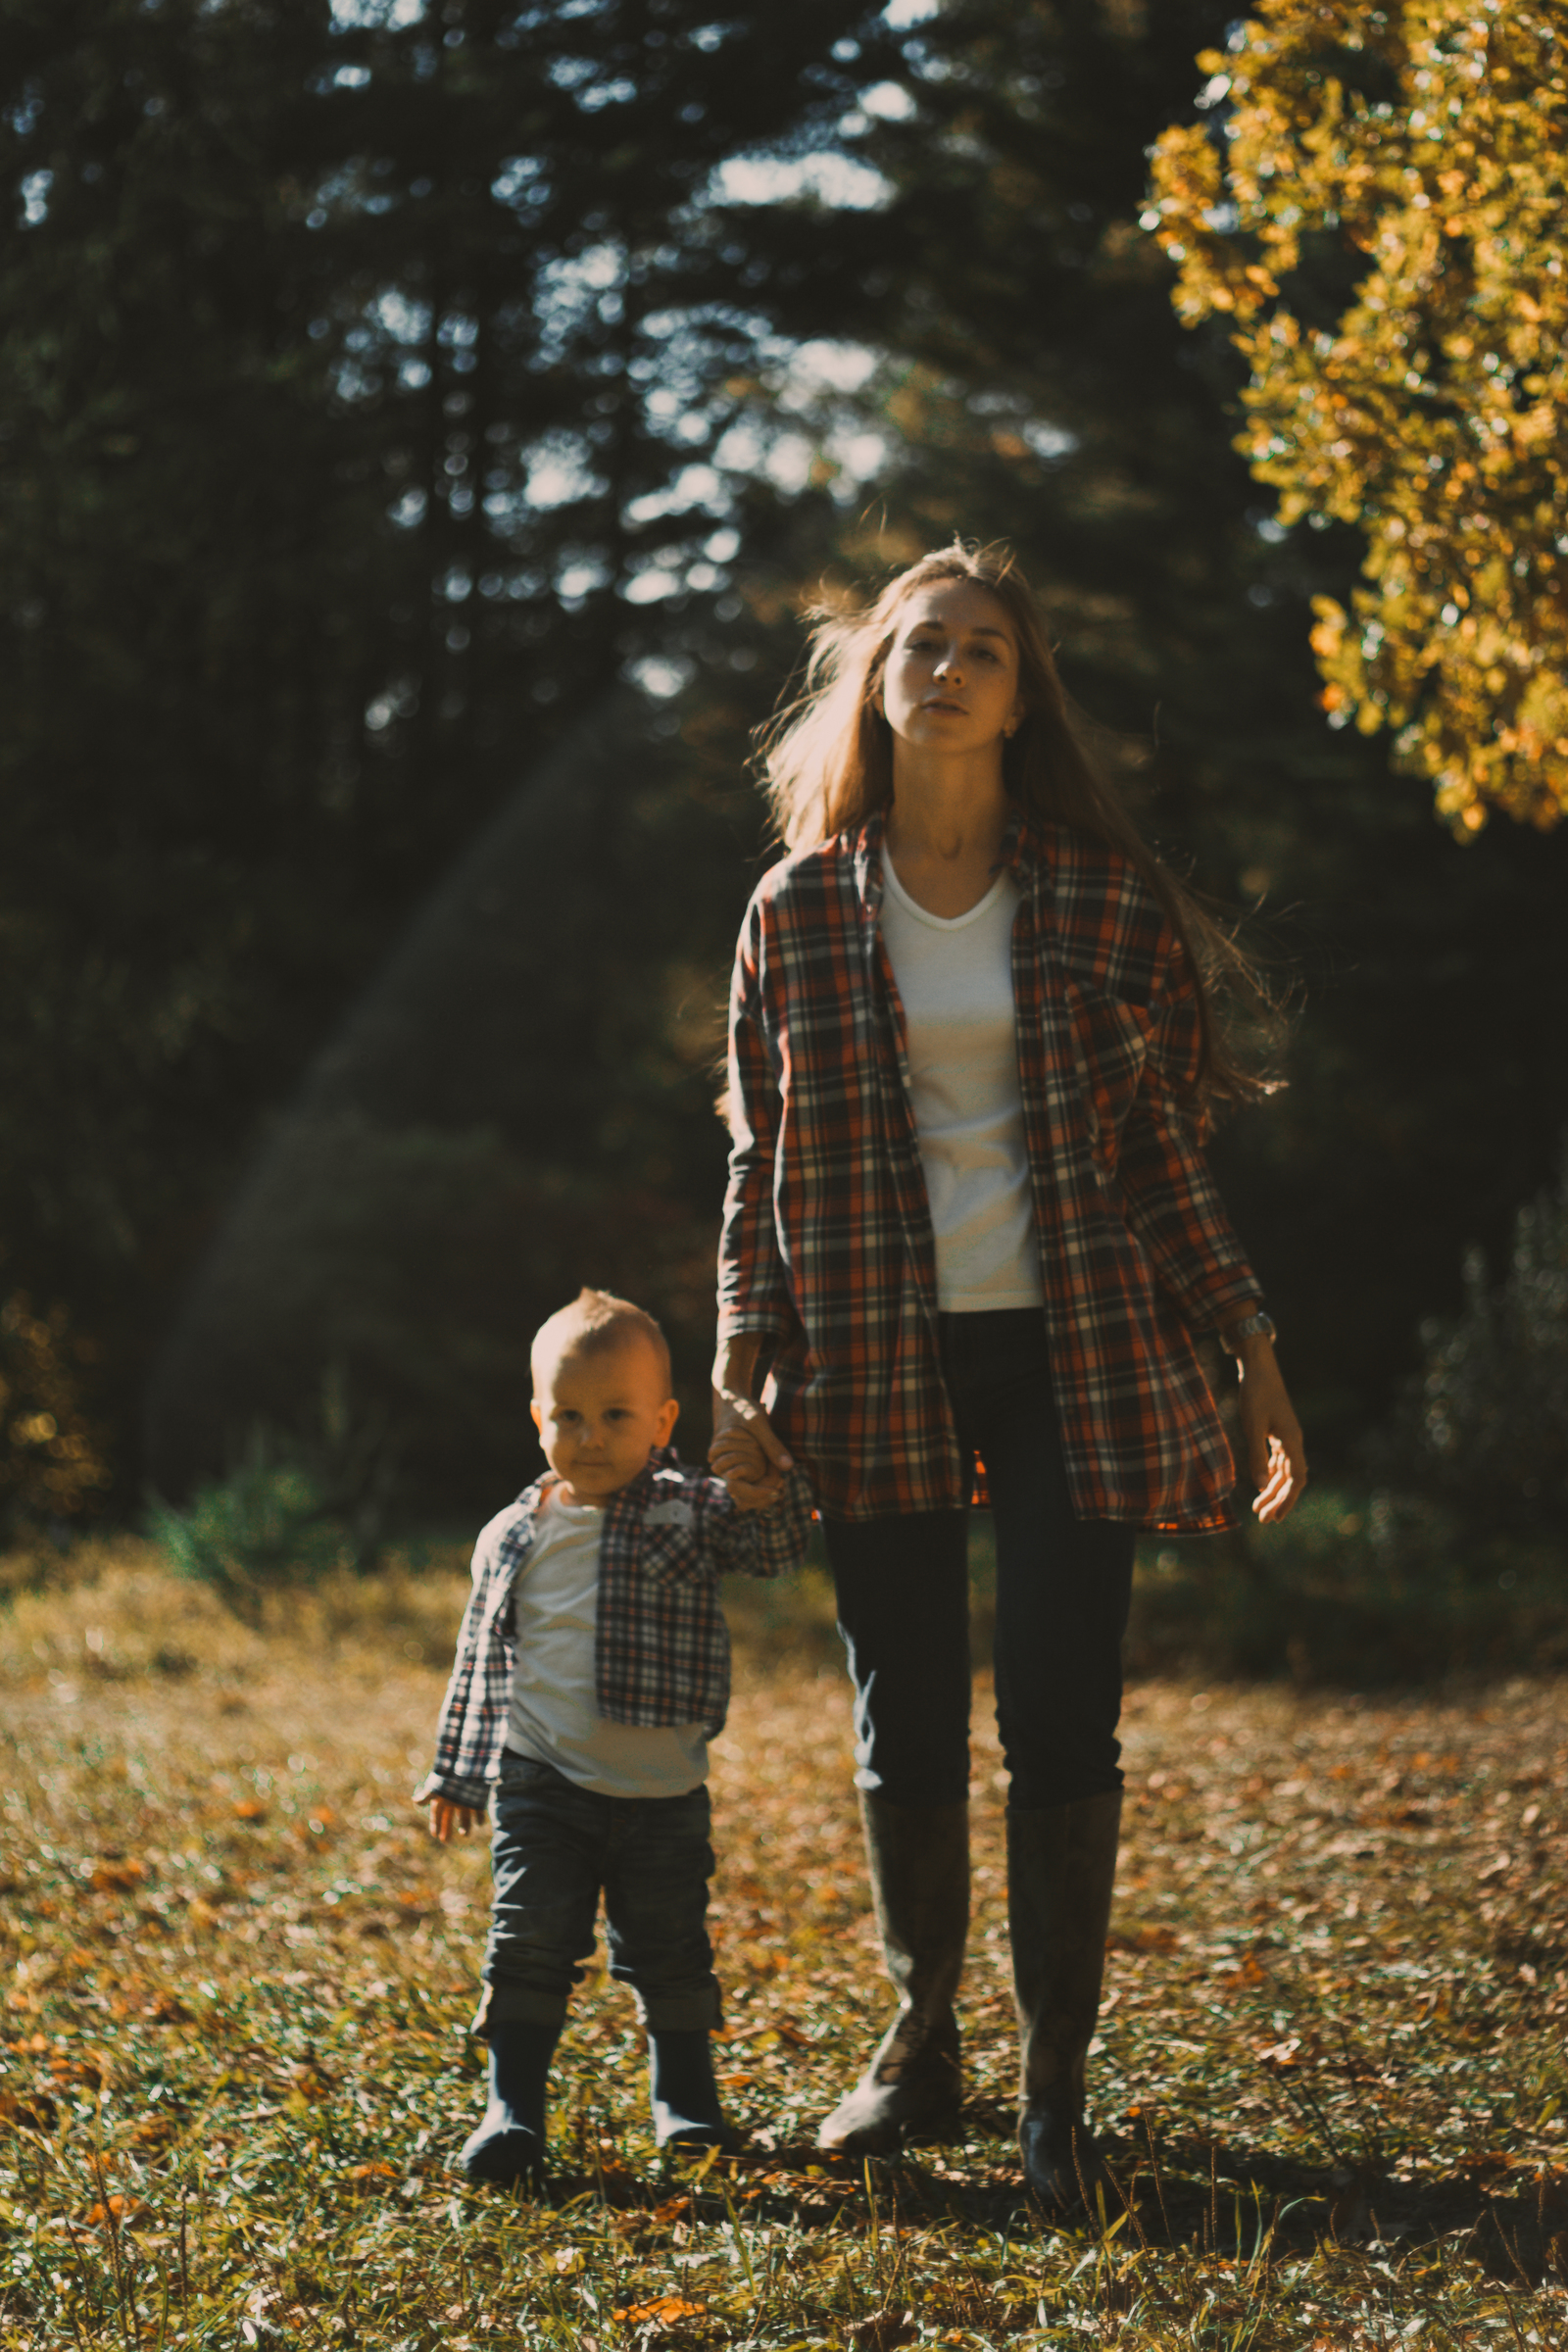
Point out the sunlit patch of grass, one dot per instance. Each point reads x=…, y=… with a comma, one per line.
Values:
x=235, y=1978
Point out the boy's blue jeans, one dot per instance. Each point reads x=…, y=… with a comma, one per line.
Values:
x=554, y=1848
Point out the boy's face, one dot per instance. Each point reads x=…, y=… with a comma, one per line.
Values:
x=600, y=1416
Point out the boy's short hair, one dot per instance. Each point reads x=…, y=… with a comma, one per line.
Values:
x=593, y=1324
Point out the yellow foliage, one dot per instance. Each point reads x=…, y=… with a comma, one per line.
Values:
x=1432, y=415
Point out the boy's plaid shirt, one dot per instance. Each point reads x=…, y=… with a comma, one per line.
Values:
x=662, y=1649
x=827, y=1247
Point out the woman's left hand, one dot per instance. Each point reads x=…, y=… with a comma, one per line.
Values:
x=1276, y=1456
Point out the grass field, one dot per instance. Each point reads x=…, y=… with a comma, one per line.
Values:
x=235, y=1977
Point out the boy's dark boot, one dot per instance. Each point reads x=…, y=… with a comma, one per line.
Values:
x=919, y=1860
x=1061, y=1865
x=683, y=2093
x=509, y=2145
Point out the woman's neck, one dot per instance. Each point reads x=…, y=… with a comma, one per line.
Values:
x=945, y=827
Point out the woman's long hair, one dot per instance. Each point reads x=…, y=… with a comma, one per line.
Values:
x=827, y=759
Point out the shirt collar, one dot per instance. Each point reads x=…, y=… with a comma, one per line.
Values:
x=662, y=1462
x=1023, y=853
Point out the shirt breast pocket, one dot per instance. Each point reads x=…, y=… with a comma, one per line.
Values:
x=1111, y=1047
x=671, y=1555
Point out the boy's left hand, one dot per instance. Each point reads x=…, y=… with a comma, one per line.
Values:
x=444, y=1817
x=752, y=1480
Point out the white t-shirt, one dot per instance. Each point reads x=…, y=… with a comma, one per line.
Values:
x=551, y=1713
x=954, y=980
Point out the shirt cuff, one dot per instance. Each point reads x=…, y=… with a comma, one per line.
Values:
x=475, y=1794
x=736, y=1321
x=1230, y=1301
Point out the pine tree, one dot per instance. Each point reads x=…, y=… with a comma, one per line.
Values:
x=358, y=363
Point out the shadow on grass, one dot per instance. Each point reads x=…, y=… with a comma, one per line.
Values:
x=1178, y=2194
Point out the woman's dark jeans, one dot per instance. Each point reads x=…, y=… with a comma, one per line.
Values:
x=553, y=1848
x=1063, y=1587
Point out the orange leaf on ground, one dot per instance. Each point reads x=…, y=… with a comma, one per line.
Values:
x=119, y=2212
x=1142, y=1939
x=117, y=1877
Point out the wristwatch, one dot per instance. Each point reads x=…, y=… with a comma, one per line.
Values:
x=1261, y=1326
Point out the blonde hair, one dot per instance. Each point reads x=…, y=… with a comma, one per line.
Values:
x=827, y=759
x=595, y=1323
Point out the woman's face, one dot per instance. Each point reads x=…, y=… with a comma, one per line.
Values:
x=951, y=677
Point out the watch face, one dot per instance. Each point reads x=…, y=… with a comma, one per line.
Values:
x=1252, y=1327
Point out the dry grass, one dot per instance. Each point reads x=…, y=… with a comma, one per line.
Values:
x=236, y=1974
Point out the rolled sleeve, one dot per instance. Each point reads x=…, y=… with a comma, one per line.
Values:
x=753, y=1292
x=767, y=1542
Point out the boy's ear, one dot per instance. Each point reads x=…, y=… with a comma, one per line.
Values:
x=538, y=1416
x=668, y=1415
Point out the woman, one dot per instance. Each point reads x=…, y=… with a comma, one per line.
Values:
x=970, y=1238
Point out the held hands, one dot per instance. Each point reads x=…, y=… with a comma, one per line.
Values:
x=737, y=1455
x=746, y=1453
x=1276, y=1456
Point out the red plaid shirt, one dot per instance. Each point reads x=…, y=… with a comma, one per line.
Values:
x=827, y=1247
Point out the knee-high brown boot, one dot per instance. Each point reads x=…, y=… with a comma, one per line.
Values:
x=919, y=1862
x=1061, y=1865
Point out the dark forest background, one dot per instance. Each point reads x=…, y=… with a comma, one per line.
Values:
x=419, y=430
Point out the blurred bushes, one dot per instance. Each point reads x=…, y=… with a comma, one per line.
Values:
x=295, y=1508
x=1354, y=1590
x=1455, y=1559
x=1483, y=1433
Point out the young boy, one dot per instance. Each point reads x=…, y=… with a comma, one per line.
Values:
x=592, y=1670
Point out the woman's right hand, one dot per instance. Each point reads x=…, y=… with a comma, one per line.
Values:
x=735, y=1407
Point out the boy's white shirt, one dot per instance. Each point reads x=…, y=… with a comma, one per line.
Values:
x=550, y=1713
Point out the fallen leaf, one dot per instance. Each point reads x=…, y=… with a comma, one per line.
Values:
x=1248, y=1973
x=117, y=2211
x=1139, y=1938
x=35, y=2115
x=117, y=1877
